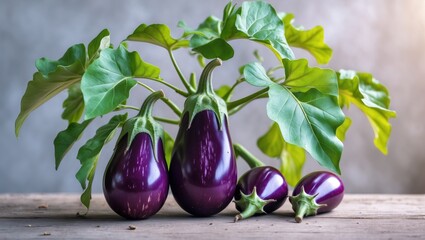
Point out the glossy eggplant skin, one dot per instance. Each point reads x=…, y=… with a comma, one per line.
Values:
x=328, y=187
x=203, y=170
x=269, y=184
x=135, y=184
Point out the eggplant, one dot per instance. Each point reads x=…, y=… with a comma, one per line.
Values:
x=135, y=183
x=203, y=171
x=317, y=192
x=260, y=190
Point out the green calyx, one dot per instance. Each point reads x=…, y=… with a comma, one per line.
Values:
x=144, y=122
x=205, y=98
x=304, y=204
x=251, y=204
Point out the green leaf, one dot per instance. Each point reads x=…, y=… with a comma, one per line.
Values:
x=311, y=40
x=76, y=54
x=342, y=130
x=168, y=147
x=256, y=21
x=100, y=42
x=206, y=40
x=89, y=154
x=272, y=142
x=292, y=158
x=217, y=48
x=292, y=161
x=210, y=28
x=372, y=98
x=66, y=139
x=308, y=120
x=53, y=77
x=109, y=79
x=74, y=104
x=260, y=22
x=256, y=75
x=301, y=78
x=222, y=90
x=158, y=34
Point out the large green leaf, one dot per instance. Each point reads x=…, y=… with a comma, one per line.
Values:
x=259, y=22
x=109, y=79
x=308, y=120
x=66, y=139
x=74, y=104
x=256, y=21
x=158, y=34
x=372, y=98
x=53, y=77
x=311, y=40
x=301, y=78
x=89, y=154
x=292, y=158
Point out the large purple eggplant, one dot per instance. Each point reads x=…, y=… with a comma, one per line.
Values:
x=135, y=183
x=203, y=170
x=261, y=190
x=317, y=192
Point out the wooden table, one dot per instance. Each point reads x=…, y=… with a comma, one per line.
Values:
x=54, y=216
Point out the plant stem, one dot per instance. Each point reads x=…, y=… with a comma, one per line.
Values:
x=166, y=120
x=247, y=156
x=159, y=119
x=272, y=70
x=226, y=96
x=176, y=89
x=182, y=78
x=193, y=80
x=122, y=106
x=167, y=101
x=244, y=100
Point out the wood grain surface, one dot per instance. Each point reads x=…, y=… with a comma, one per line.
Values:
x=54, y=216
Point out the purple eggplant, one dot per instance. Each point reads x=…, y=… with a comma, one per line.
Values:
x=317, y=192
x=203, y=170
x=261, y=190
x=135, y=183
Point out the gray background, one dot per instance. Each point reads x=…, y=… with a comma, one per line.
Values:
x=385, y=37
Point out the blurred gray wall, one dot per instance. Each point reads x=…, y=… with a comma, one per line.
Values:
x=385, y=37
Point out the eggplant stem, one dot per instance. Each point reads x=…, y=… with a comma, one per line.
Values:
x=147, y=106
x=250, y=211
x=205, y=82
x=301, y=211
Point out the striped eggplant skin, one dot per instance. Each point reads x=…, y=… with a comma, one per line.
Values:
x=135, y=184
x=203, y=171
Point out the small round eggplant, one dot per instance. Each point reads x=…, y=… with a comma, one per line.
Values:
x=261, y=190
x=317, y=192
x=135, y=183
x=203, y=170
